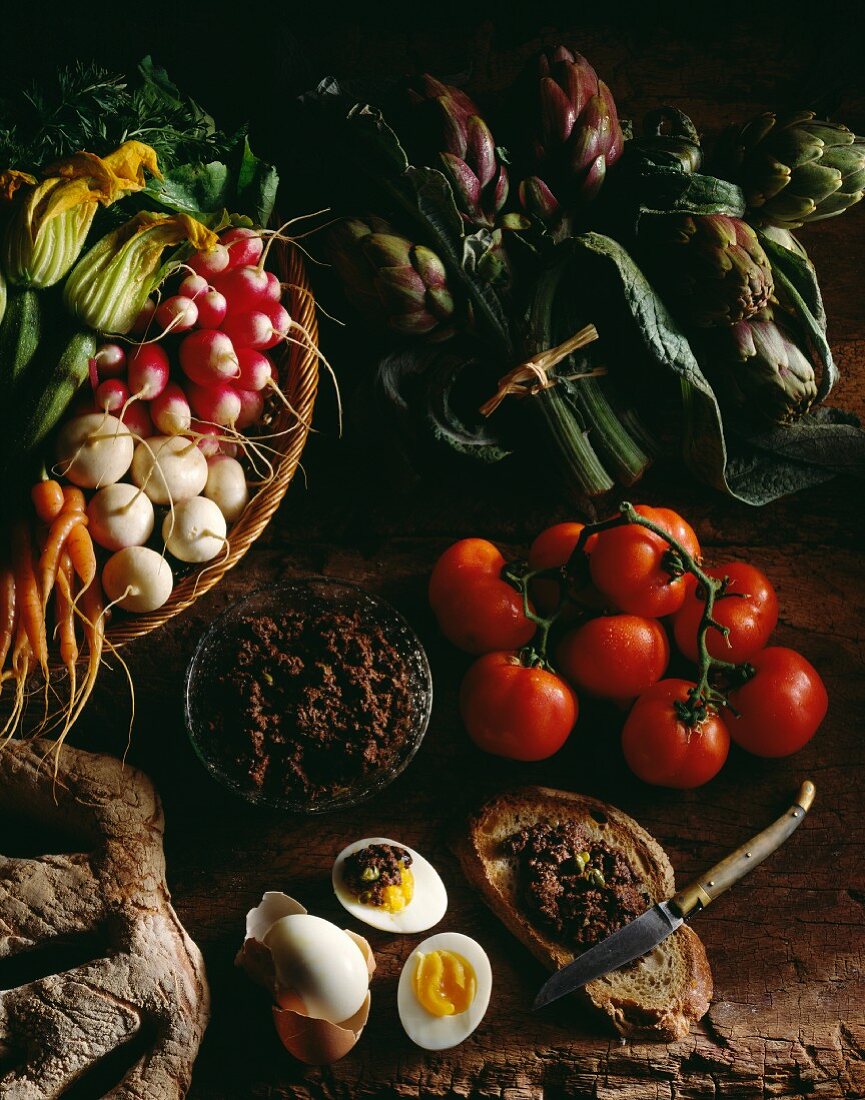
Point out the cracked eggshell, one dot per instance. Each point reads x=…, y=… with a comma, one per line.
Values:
x=255, y=957
x=314, y=1042
x=317, y=1042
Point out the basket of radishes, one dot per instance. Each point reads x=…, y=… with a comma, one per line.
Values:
x=218, y=405
x=158, y=347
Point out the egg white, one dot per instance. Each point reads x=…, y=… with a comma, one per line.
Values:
x=441, y=1032
x=429, y=900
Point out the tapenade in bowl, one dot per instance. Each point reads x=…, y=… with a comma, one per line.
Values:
x=309, y=696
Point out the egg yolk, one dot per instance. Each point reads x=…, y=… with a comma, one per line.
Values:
x=393, y=899
x=444, y=983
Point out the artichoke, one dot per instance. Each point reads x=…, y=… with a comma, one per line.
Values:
x=391, y=280
x=577, y=135
x=765, y=374
x=794, y=168
x=711, y=268
x=467, y=152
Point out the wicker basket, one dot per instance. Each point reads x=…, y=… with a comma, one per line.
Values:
x=298, y=377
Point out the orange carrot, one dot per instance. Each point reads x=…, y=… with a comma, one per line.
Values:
x=31, y=612
x=7, y=612
x=58, y=533
x=79, y=545
x=73, y=499
x=64, y=617
x=92, y=612
x=48, y=500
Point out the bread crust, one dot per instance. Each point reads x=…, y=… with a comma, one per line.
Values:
x=662, y=994
x=150, y=978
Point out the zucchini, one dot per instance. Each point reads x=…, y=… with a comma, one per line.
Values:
x=48, y=397
x=20, y=333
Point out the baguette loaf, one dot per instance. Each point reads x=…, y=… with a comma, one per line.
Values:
x=660, y=994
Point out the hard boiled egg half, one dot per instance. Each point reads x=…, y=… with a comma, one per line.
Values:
x=318, y=974
x=389, y=886
x=444, y=990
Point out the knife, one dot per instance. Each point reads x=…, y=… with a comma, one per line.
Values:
x=641, y=935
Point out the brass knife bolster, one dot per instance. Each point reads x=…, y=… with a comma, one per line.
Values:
x=697, y=895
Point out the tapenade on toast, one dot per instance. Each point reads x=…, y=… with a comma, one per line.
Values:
x=564, y=870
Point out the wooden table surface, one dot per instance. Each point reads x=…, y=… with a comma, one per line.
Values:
x=786, y=946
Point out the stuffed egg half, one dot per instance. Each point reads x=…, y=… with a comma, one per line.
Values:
x=444, y=990
x=389, y=886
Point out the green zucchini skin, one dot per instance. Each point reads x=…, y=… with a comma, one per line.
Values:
x=48, y=397
x=21, y=332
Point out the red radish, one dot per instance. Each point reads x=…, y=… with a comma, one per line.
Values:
x=147, y=370
x=212, y=308
x=274, y=287
x=243, y=287
x=111, y=395
x=208, y=356
x=170, y=410
x=145, y=316
x=280, y=324
x=84, y=404
x=218, y=403
x=177, y=314
x=209, y=263
x=192, y=286
x=244, y=246
x=212, y=439
x=110, y=360
x=136, y=417
x=256, y=370
x=252, y=329
x=208, y=441
x=251, y=408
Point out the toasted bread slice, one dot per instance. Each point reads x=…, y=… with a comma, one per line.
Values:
x=663, y=992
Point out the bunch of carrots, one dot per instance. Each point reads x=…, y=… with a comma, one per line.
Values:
x=50, y=582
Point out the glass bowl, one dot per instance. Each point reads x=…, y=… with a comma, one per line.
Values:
x=309, y=596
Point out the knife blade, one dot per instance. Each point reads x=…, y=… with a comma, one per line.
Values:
x=642, y=934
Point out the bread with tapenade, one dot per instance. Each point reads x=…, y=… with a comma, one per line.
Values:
x=502, y=855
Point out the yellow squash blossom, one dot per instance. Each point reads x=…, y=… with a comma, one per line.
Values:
x=51, y=219
x=109, y=285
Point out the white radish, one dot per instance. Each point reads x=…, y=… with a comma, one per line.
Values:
x=120, y=515
x=195, y=531
x=94, y=450
x=170, y=410
x=226, y=486
x=169, y=468
x=137, y=579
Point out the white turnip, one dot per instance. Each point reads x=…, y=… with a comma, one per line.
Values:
x=94, y=450
x=169, y=468
x=120, y=515
x=137, y=579
x=195, y=530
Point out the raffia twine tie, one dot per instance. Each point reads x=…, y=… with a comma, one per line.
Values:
x=533, y=376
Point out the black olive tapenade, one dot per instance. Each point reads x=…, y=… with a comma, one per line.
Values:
x=369, y=871
x=581, y=889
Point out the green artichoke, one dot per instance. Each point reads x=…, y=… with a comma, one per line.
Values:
x=794, y=168
x=764, y=373
x=391, y=280
x=468, y=155
x=576, y=130
x=711, y=268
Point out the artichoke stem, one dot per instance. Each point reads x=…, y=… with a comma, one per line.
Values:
x=577, y=456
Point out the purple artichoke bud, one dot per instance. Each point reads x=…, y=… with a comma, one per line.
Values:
x=469, y=157
x=390, y=280
x=537, y=199
x=767, y=373
x=711, y=268
x=577, y=132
